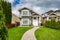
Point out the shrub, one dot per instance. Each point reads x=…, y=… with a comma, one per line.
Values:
x=58, y=25
x=10, y=25
x=52, y=24
x=3, y=33
x=47, y=23
x=17, y=23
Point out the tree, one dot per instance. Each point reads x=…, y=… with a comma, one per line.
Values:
x=9, y=14
x=3, y=29
x=7, y=11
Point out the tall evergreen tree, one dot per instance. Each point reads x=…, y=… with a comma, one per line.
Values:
x=9, y=14
x=3, y=29
x=7, y=11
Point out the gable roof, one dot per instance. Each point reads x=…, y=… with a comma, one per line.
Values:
x=24, y=8
x=27, y=9
x=36, y=14
x=57, y=11
x=49, y=12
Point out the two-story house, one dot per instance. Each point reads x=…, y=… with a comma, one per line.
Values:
x=29, y=17
x=51, y=14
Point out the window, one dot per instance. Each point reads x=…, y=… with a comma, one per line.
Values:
x=25, y=21
x=25, y=13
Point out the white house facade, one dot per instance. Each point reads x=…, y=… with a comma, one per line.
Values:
x=27, y=17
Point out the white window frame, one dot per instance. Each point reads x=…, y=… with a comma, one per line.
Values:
x=23, y=20
x=23, y=11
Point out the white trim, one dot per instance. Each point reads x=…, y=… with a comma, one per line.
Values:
x=22, y=21
x=25, y=10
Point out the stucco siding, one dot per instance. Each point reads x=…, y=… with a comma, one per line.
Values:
x=15, y=19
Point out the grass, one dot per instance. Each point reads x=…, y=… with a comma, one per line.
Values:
x=16, y=33
x=26, y=26
x=47, y=34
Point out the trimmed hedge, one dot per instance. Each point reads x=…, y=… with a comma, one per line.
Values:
x=10, y=25
x=47, y=23
x=58, y=25
x=52, y=24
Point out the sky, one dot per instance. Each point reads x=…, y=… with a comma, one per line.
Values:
x=38, y=6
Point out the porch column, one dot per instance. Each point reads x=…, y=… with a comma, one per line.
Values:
x=39, y=19
x=48, y=17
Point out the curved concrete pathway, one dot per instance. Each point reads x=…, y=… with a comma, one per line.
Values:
x=29, y=35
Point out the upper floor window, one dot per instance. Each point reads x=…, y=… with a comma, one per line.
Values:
x=25, y=13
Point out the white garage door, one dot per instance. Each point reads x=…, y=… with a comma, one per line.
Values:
x=35, y=22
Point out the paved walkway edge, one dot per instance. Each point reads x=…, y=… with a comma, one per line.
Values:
x=29, y=35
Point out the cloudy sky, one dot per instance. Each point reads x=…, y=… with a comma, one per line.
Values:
x=39, y=6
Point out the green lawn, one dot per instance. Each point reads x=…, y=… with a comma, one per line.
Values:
x=47, y=34
x=16, y=33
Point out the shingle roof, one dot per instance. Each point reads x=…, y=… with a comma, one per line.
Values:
x=57, y=11
x=28, y=9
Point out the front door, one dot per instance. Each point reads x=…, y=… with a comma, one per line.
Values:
x=35, y=21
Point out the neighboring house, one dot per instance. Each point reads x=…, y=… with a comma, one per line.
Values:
x=29, y=17
x=15, y=19
x=51, y=14
x=57, y=12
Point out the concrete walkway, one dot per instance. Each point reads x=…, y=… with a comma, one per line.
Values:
x=29, y=35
